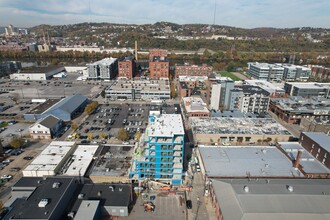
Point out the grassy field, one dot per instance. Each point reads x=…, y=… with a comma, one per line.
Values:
x=230, y=75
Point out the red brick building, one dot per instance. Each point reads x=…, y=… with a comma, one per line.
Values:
x=320, y=72
x=157, y=53
x=192, y=70
x=126, y=68
x=159, y=68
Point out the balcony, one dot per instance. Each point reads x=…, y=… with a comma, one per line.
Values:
x=178, y=147
x=178, y=139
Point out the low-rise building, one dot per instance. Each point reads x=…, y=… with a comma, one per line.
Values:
x=315, y=125
x=37, y=73
x=296, y=73
x=292, y=110
x=195, y=107
x=157, y=53
x=45, y=128
x=243, y=199
x=50, y=161
x=63, y=109
x=139, y=89
x=275, y=90
x=220, y=88
x=320, y=72
x=307, y=89
x=192, y=70
x=234, y=131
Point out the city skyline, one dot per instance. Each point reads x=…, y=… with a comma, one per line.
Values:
x=240, y=13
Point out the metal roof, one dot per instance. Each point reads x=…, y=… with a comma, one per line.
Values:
x=320, y=138
x=69, y=104
x=49, y=122
x=244, y=199
x=243, y=161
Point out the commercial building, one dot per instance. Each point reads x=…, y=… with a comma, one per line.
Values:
x=244, y=199
x=317, y=144
x=231, y=131
x=112, y=164
x=194, y=86
x=63, y=109
x=296, y=73
x=307, y=89
x=80, y=160
x=265, y=71
x=37, y=73
x=48, y=201
x=192, y=70
x=114, y=200
x=303, y=160
x=245, y=162
x=249, y=99
x=315, y=125
x=220, y=92
x=159, y=68
x=126, y=68
x=50, y=160
x=45, y=128
x=195, y=107
x=139, y=89
x=292, y=110
x=161, y=158
x=106, y=69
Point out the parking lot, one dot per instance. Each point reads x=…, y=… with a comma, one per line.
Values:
x=167, y=207
x=109, y=118
x=13, y=130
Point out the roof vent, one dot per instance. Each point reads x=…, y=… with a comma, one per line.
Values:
x=81, y=196
x=99, y=193
x=289, y=188
x=43, y=203
x=246, y=189
x=112, y=188
x=56, y=185
x=120, y=189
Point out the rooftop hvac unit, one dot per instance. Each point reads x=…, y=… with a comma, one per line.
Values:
x=43, y=203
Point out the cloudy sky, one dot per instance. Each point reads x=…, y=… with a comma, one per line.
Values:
x=239, y=13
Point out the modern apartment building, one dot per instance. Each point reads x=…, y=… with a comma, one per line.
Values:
x=159, y=68
x=106, y=69
x=192, y=70
x=126, y=68
x=293, y=73
x=249, y=99
x=220, y=92
x=161, y=158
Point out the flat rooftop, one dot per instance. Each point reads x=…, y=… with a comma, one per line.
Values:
x=321, y=138
x=143, y=85
x=309, y=85
x=43, y=106
x=234, y=114
x=113, y=161
x=41, y=70
x=308, y=162
x=87, y=209
x=271, y=199
x=80, y=160
x=244, y=161
x=105, y=61
x=193, y=78
x=29, y=208
x=267, y=86
x=50, y=157
x=219, y=125
x=300, y=104
x=195, y=104
x=165, y=125
x=254, y=90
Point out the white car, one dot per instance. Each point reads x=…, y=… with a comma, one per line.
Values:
x=6, y=177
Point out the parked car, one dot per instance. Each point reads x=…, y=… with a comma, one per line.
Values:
x=14, y=169
x=6, y=177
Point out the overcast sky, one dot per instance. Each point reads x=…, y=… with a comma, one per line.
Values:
x=238, y=13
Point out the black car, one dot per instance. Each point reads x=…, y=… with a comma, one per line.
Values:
x=27, y=158
x=188, y=204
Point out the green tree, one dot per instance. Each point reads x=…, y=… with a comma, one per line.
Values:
x=122, y=135
x=16, y=142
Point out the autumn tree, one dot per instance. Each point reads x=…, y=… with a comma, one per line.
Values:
x=122, y=135
x=138, y=135
x=90, y=108
x=102, y=135
x=16, y=142
x=90, y=136
x=173, y=92
x=74, y=127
